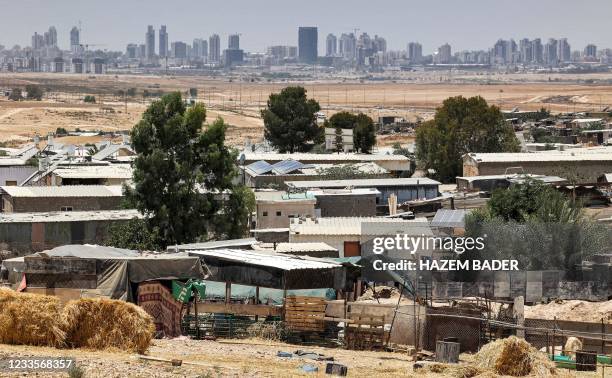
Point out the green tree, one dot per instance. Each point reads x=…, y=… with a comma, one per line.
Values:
x=240, y=204
x=193, y=92
x=34, y=92
x=364, y=131
x=60, y=131
x=89, y=99
x=15, y=95
x=532, y=200
x=133, y=234
x=290, y=120
x=462, y=125
x=131, y=92
x=343, y=120
x=338, y=141
x=180, y=172
x=364, y=135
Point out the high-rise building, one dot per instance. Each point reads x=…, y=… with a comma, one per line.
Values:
x=550, y=52
x=537, y=50
x=347, y=46
x=142, y=51
x=233, y=42
x=379, y=44
x=150, y=41
x=199, y=48
x=51, y=37
x=214, y=48
x=499, y=51
x=526, y=51
x=179, y=50
x=444, y=54
x=131, y=51
x=75, y=40
x=564, y=51
x=415, y=52
x=331, y=45
x=590, y=51
x=38, y=41
x=308, y=42
x=163, y=42
x=282, y=52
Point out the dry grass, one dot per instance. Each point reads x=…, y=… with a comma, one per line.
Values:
x=108, y=324
x=514, y=357
x=266, y=331
x=30, y=319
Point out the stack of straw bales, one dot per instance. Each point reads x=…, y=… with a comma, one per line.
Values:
x=108, y=324
x=514, y=357
x=32, y=319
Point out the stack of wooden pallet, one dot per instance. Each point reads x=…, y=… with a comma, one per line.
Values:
x=365, y=332
x=304, y=314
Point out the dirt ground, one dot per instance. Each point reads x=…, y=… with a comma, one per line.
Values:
x=239, y=99
x=227, y=358
x=581, y=311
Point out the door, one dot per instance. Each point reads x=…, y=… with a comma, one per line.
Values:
x=352, y=249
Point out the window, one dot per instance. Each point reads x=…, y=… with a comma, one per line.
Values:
x=11, y=183
x=265, y=214
x=278, y=213
x=66, y=208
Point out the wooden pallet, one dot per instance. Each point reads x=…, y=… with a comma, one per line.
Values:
x=305, y=314
x=365, y=332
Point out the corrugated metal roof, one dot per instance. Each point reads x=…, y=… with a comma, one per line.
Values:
x=63, y=191
x=275, y=260
x=109, y=150
x=119, y=171
x=363, y=183
x=281, y=196
x=344, y=192
x=246, y=242
x=575, y=154
x=69, y=216
x=359, y=226
x=11, y=161
x=368, y=167
x=294, y=247
x=449, y=218
x=306, y=157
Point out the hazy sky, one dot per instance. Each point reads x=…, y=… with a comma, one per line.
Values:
x=467, y=24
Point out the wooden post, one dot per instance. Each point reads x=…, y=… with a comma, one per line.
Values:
x=228, y=292
x=519, y=315
x=256, y=300
x=603, y=336
x=195, y=309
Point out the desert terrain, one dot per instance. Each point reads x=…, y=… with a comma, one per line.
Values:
x=239, y=98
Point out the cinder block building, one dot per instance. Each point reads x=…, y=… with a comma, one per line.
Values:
x=586, y=163
x=275, y=208
x=20, y=199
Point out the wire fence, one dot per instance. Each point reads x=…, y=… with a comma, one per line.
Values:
x=473, y=331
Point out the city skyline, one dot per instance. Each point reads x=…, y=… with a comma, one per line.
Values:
x=481, y=27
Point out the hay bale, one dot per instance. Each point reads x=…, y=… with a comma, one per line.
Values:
x=514, y=357
x=31, y=319
x=108, y=324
